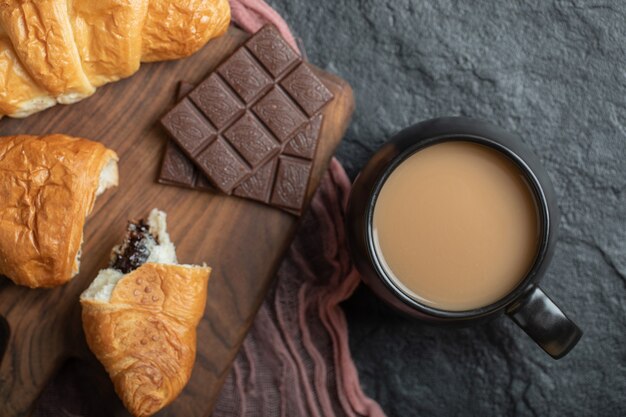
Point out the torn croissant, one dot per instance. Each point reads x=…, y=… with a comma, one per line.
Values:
x=140, y=317
x=48, y=186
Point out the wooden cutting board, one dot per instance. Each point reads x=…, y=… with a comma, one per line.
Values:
x=243, y=241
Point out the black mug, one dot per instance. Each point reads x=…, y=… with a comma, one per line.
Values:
x=527, y=304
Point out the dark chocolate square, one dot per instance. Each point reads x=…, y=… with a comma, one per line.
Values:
x=176, y=167
x=292, y=180
x=280, y=114
x=216, y=101
x=306, y=89
x=188, y=127
x=248, y=136
x=242, y=72
x=259, y=186
x=221, y=164
x=304, y=143
x=269, y=47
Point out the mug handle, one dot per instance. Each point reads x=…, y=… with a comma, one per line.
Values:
x=545, y=323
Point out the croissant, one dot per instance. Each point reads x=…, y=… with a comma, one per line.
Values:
x=48, y=186
x=140, y=317
x=60, y=51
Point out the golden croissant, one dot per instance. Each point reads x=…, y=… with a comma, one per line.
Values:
x=140, y=317
x=48, y=186
x=60, y=51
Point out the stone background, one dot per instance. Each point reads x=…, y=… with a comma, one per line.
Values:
x=553, y=71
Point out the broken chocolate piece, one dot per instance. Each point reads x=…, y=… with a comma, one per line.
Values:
x=304, y=143
x=292, y=180
x=259, y=186
x=176, y=168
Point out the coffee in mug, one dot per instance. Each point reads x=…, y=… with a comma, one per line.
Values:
x=454, y=221
x=456, y=226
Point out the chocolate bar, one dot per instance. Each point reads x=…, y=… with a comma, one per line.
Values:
x=177, y=169
x=252, y=126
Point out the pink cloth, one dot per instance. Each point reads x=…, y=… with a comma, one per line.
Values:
x=296, y=360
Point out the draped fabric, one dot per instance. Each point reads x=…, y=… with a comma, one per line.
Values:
x=296, y=360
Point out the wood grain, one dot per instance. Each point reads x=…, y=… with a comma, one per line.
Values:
x=243, y=241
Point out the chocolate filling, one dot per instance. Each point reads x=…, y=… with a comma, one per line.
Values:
x=135, y=250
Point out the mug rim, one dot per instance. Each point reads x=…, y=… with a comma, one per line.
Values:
x=540, y=198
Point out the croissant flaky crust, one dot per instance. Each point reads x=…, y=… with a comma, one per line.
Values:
x=145, y=334
x=48, y=185
x=60, y=51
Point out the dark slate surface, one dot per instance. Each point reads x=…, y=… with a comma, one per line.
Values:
x=553, y=71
